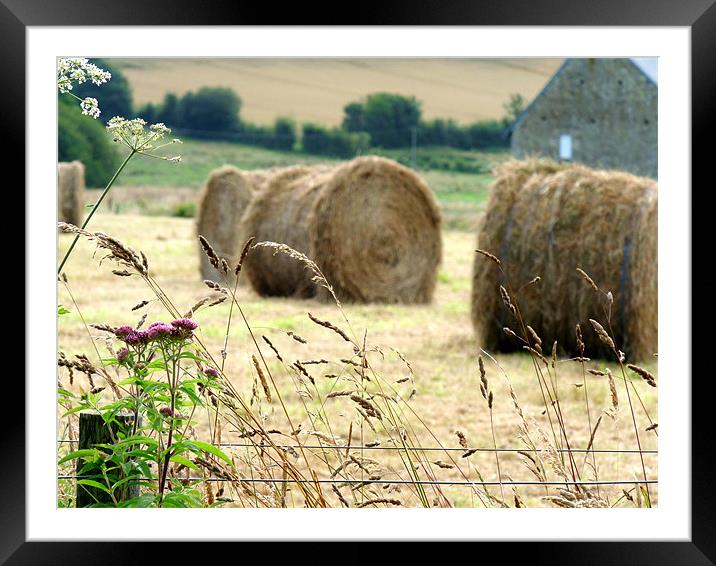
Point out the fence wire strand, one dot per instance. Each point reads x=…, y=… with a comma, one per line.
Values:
x=418, y=448
x=378, y=481
x=346, y=481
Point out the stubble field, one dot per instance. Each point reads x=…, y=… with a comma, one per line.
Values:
x=316, y=90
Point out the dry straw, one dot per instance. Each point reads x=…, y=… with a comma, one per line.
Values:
x=548, y=219
x=371, y=225
x=71, y=192
x=224, y=199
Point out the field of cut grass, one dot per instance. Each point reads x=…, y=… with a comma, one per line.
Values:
x=151, y=187
x=437, y=340
x=316, y=90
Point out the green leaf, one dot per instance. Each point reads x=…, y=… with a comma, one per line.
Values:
x=176, y=499
x=77, y=409
x=188, y=388
x=90, y=466
x=145, y=500
x=62, y=310
x=135, y=481
x=191, y=356
x=211, y=449
x=84, y=453
x=144, y=469
x=93, y=483
x=185, y=461
x=65, y=392
x=146, y=453
x=138, y=439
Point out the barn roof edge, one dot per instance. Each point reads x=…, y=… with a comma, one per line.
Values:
x=553, y=78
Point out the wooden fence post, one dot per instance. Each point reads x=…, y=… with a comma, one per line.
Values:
x=93, y=431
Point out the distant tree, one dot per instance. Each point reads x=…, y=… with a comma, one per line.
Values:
x=353, y=119
x=335, y=142
x=149, y=113
x=388, y=118
x=514, y=106
x=444, y=132
x=169, y=111
x=114, y=96
x=284, y=134
x=85, y=139
x=214, y=109
x=488, y=134
x=478, y=135
x=255, y=134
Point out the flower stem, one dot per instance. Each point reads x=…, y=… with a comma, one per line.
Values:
x=94, y=209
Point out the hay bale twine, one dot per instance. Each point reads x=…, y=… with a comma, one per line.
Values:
x=71, y=192
x=371, y=225
x=547, y=219
x=225, y=196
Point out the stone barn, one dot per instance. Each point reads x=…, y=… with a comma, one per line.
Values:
x=600, y=112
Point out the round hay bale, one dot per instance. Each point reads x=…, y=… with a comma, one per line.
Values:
x=71, y=192
x=547, y=219
x=371, y=225
x=226, y=194
x=279, y=213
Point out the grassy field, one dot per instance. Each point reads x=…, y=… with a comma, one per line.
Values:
x=150, y=187
x=316, y=90
x=437, y=340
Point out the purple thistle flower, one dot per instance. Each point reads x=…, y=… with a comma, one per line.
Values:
x=183, y=327
x=143, y=336
x=159, y=330
x=123, y=331
x=185, y=324
x=136, y=337
x=211, y=372
x=133, y=339
x=122, y=355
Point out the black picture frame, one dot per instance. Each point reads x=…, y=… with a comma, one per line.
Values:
x=698, y=15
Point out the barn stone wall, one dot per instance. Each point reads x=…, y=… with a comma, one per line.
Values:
x=608, y=106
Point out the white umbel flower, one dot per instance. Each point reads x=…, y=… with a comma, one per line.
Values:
x=90, y=107
x=79, y=70
x=139, y=138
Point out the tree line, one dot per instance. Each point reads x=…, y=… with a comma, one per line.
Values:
x=378, y=121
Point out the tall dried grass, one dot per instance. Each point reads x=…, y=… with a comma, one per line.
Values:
x=224, y=198
x=315, y=459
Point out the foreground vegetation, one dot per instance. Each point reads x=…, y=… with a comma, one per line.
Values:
x=426, y=357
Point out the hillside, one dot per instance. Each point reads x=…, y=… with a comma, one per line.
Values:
x=316, y=90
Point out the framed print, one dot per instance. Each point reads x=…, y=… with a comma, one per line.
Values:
x=402, y=278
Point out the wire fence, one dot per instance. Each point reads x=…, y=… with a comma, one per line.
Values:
x=399, y=482
x=417, y=448
x=348, y=481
